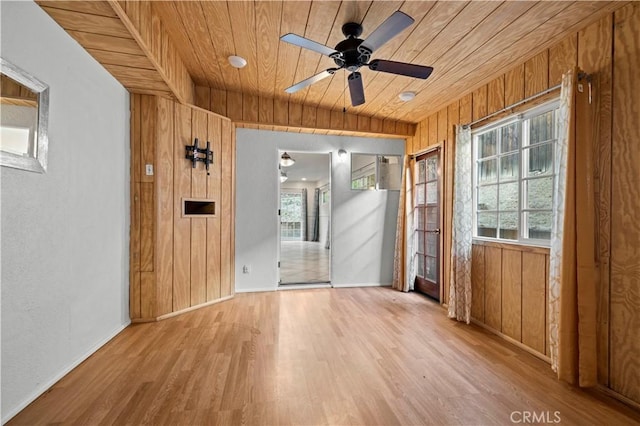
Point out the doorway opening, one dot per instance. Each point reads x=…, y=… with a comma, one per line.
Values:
x=304, y=199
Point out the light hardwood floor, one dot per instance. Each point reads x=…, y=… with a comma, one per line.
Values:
x=325, y=356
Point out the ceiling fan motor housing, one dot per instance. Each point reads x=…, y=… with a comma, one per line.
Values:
x=349, y=55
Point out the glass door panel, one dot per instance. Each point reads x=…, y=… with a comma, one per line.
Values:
x=428, y=235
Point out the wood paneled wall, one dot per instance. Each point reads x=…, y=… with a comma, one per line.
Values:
x=510, y=284
x=178, y=262
x=609, y=51
x=273, y=114
x=624, y=332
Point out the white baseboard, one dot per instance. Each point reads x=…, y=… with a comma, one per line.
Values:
x=309, y=286
x=361, y=285
x=285, y=287
x=45, y=386
x=255, y=289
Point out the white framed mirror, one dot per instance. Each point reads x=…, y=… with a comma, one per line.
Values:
x=376, y=172
x=24, y=117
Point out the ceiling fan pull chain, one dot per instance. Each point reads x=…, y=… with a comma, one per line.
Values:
x=344, y=95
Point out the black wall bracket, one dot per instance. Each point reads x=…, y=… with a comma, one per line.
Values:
x=196, y=154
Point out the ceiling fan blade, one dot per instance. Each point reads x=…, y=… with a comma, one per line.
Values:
x=401, y=68
x=309, y=81
x=356, y=89
x=391, y=27
x=308, y=44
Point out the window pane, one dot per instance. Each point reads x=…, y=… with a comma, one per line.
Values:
x=487, y=171
x=510, y=167
x=509, y=226
x=509, y=196
x=291, y=207
x=540, y=159
x=420, y=271
x=430, y=269
x=487, y=144
x=487, y=197
x=421, y=173
x=420, y=248
x=487, y=224
x=432, y=168
x=420, y=214
x=541, y=127
x=540, y=193
x=432, y=244
x=539, y=224
x=510, y=138
x=432, y=217
x=432, y=192
x=420, y=198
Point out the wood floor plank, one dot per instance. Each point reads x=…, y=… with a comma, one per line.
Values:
x=325, y=356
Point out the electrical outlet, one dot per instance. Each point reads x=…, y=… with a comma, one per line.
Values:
x=246, y=269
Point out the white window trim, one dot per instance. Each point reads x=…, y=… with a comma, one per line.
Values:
x=535, y=111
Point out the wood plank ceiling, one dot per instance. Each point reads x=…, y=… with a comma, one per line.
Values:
x=468, y=43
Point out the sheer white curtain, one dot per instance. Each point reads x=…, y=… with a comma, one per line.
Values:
x=559, y=203
x=410, y=229
x=460, y=285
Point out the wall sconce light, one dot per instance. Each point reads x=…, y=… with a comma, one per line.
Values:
x=286, y=160
x=283, y=176
x=342, y=154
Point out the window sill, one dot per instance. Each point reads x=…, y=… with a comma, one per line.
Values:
x=520, y=246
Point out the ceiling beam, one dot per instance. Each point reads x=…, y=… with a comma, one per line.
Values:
x=147, y=29
x=264, y=112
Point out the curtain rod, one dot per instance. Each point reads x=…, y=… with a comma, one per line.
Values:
x=530, y=98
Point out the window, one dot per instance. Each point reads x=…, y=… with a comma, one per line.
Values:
x=513, y=177
x=325, y=196
x=291, y=216
x=370, y=171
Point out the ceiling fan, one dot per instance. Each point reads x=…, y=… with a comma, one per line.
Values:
x=352, y=53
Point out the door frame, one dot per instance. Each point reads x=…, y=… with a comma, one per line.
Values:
x=438, y=147
x=330, y=153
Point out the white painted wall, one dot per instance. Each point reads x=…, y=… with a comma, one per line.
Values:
x=64, y=233
x=363, y=222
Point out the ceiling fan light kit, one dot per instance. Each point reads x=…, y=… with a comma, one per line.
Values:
x=352, y=53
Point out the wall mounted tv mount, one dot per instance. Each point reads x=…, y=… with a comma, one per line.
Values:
x=196, y=154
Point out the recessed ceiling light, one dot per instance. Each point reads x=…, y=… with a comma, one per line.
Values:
x=304, y=178
x=407, y=96
x=237, y=61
